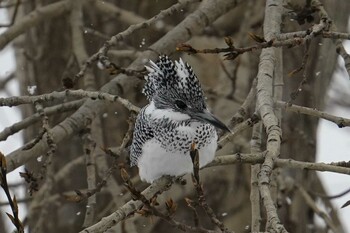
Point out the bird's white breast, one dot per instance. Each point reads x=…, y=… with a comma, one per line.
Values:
x=156, y=161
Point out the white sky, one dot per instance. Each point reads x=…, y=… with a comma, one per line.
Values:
x=333, y=142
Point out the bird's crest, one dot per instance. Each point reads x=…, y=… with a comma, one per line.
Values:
x=167, y=78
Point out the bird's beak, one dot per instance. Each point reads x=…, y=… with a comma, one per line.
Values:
x=207, y=117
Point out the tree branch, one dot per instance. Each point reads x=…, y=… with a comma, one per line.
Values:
x=129, y=208
x=272, y=24
x=32, y=19
x=340, y=121
x=191, y=25
x=60, y=108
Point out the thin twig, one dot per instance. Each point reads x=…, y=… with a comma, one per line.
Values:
x=130, y=207
x=128, y=17
x=150, y=209
x=243, y=111
x=237, y=129
x=13, y=202
x=338, y=43
x=192, y=205
x=304, y=81
x=101, y=55
x=200, y=193
x=23, y=200
x=81, y=196
x=323, y=196
x=315, y=208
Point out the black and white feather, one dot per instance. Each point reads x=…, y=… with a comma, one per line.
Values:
x=175, y=118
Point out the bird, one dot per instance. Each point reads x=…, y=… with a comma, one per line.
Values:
x=176, y=117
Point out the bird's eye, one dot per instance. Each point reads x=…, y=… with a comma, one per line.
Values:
x=180, y=104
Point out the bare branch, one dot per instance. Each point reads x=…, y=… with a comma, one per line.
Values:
x=340, y=121
x=243, y=111
x=69, y=106
x=272, y=24
x=237, y=129
x=324, y=34
x=317, y=210
x=191, y=25
x=128, y=32
x=89, y=150
x=341, y=167
x=254, y=182
x=340, y=48
x=18, y=100
x=200, y=193
x=129, y=208
x=47, y=168
x=12, y=201
x=39, y=15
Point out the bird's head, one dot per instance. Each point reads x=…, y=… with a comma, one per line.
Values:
x=175, y=88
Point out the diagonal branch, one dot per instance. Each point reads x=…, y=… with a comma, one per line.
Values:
x=101, y=54
x=191, y=25
x=129, y=208
x=39, y=15
x=310, y=202
x=13, y=202
x=340, y=48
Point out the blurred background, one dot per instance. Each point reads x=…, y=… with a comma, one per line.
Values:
x=43, y=56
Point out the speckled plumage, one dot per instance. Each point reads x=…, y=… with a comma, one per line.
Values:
x=170, y=123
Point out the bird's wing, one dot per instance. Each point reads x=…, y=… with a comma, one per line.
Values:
x=142, y=133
